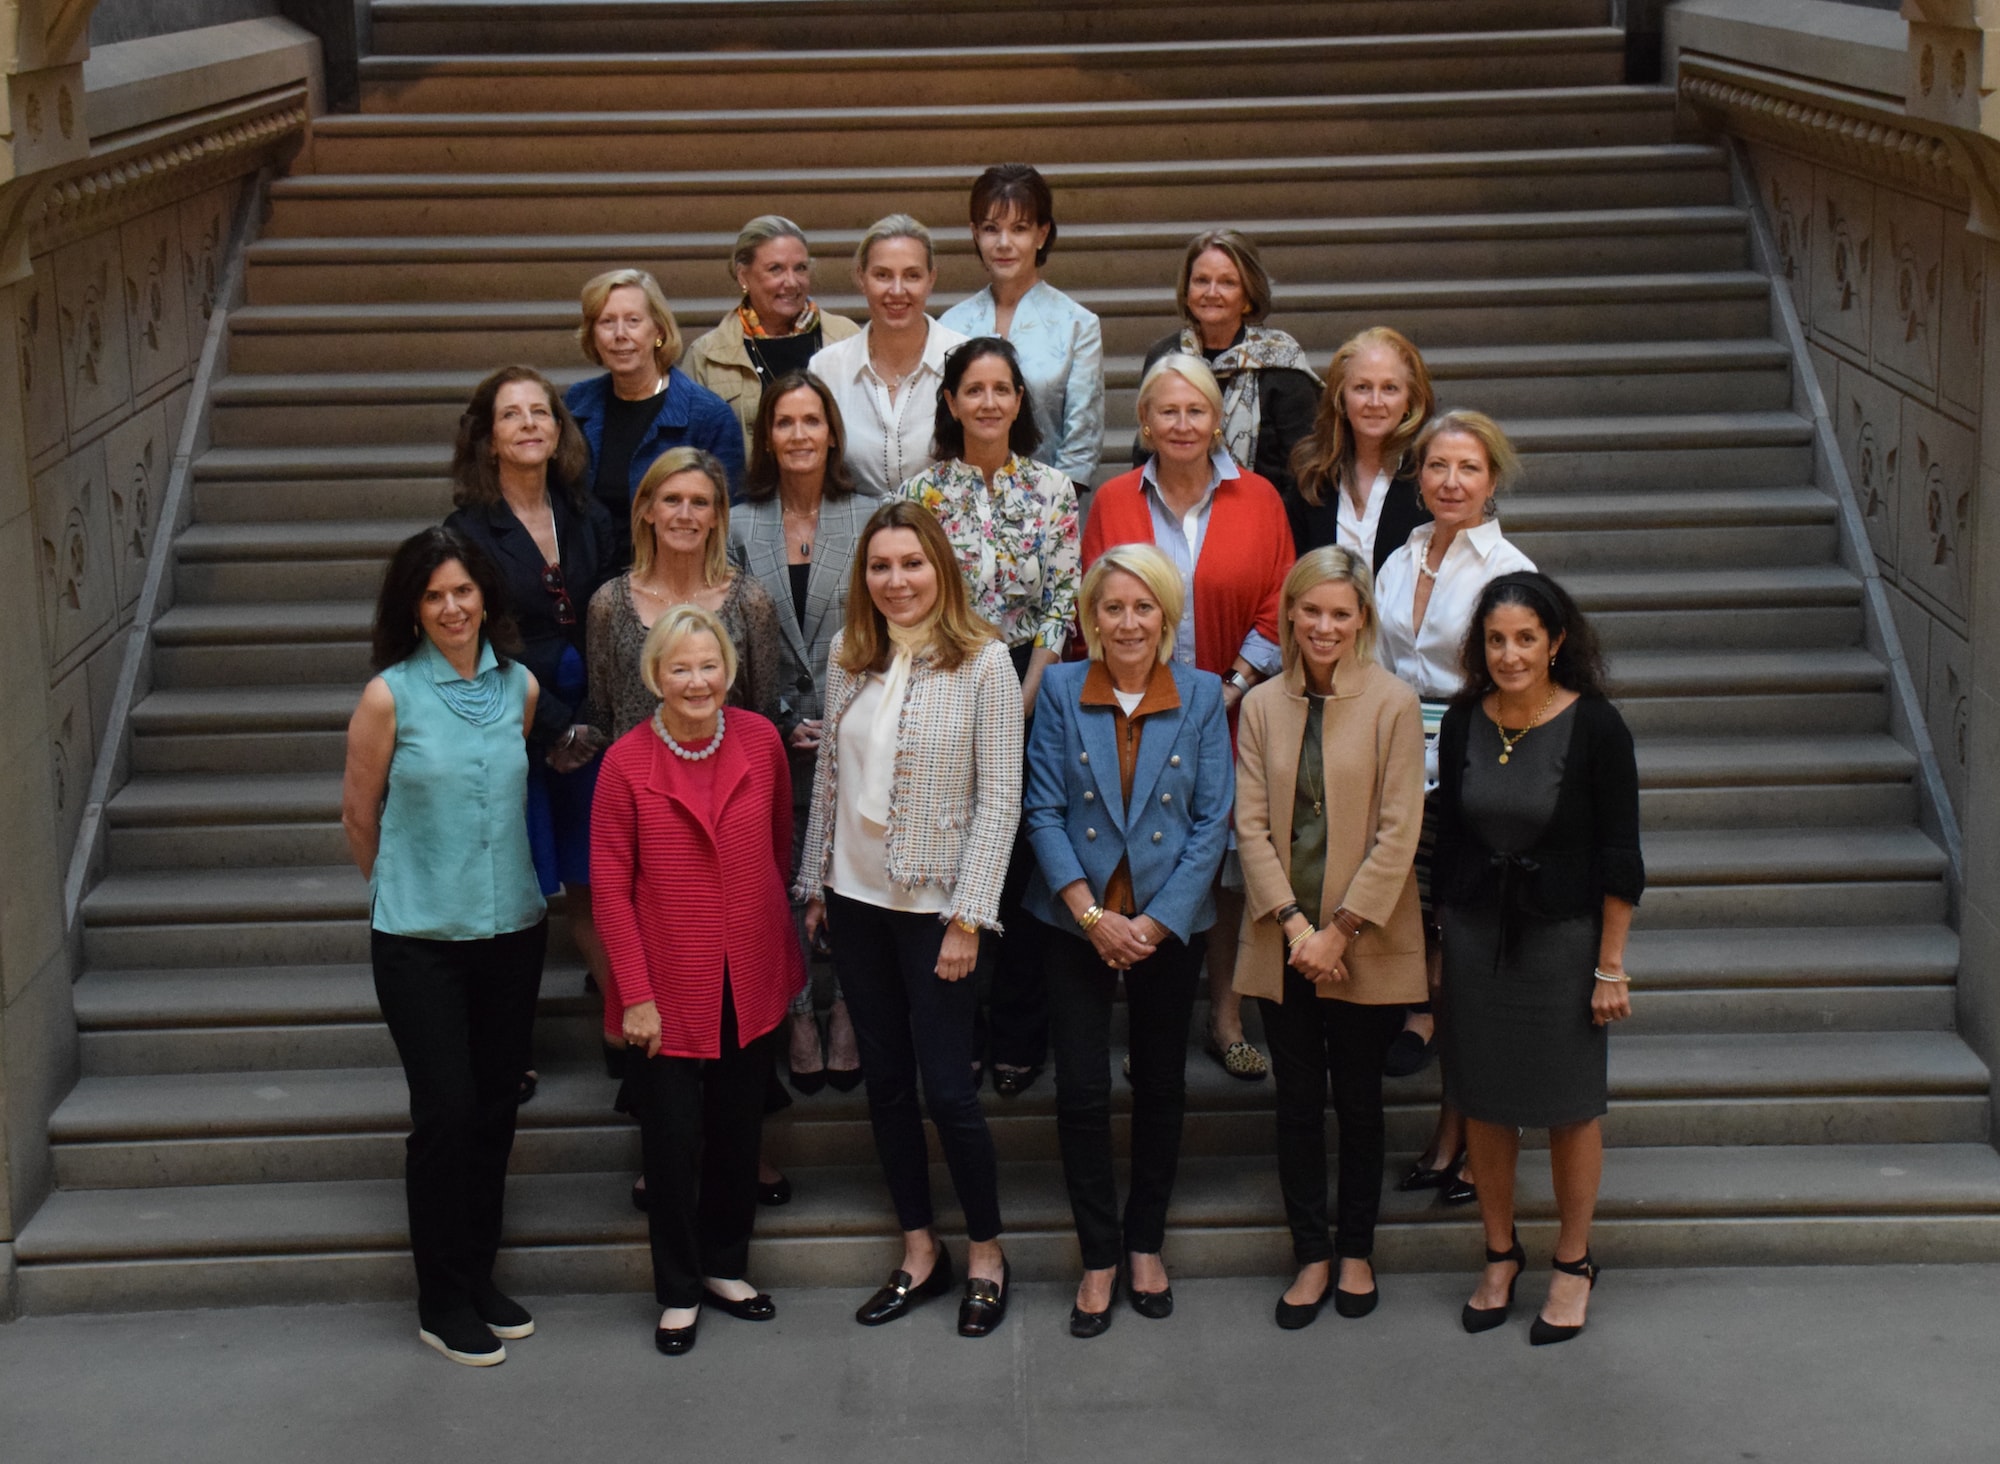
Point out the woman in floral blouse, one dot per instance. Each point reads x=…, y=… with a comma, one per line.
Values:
x=1012, y=523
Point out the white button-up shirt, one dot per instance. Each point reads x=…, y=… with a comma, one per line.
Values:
x=1356, y=532
x=1427, y=659
x=888, y=442
x=1180, y=537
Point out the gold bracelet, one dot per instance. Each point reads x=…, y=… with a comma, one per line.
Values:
x=1292, y=945
x=970, y=927
x=1087, y=921
x=1616, y=978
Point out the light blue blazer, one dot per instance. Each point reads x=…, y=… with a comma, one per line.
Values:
x=1061, y=346
x=1182, y=789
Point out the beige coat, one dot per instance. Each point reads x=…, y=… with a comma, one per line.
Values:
x=721, y=362
x=1372, y=738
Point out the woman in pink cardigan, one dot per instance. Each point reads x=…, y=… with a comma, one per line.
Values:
x=690, y=842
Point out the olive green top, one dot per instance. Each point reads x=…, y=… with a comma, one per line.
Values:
x=1308, y=867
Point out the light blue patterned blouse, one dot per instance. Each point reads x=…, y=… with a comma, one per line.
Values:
x=1061, y=347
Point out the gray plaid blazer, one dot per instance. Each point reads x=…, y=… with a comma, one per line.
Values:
x=757, y=542
x=956, y=796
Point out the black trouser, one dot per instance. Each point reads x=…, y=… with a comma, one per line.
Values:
x=1017, y=1018
x=1312, y=1038
x=700, y=1120
x=1159, y=1003
x=907, y=1022
x=462, y=1013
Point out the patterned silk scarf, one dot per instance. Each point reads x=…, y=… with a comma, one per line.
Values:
x=753, y=328
x=1239, y=370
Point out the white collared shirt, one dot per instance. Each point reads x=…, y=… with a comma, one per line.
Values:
x=1356, y=532
x=1427, y=659
x=888, y=442
x=1180, y=538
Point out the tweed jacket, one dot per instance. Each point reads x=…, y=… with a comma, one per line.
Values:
x=1372, y=740
x=1174, y=830
x=721, y=362
x=955, y=800
x=757, y=543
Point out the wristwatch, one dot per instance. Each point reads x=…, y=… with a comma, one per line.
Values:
x=1237, y=679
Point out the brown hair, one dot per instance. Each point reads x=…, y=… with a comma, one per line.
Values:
x=1241, y=251
x=475, y=474
x=671, y=463
x=1016, y=188
x=959, y=632
x=760, y=481
x=1320, y=461
x=598, y=290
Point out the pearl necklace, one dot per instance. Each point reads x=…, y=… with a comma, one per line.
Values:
x=714, y=746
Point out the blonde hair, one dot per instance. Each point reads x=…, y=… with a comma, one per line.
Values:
x=1191, y=369
x=1153, y=570
x=958, y=631
x=1240, y=250
x=1319, y=461
x=674, y=626
x=1502, y=462
x=756, y=234
x=1329, y=564
x=893, y=226
x=598, y=291
x=671, y=463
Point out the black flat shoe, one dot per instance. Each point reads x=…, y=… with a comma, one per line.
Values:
x=1352, y=1304
x=1477, y=1319
x=1545, y=1332
x=525, y=1090
x=1294, y=1318
x=758, y=1308
x=1011, y=1082
x=843, y=1080
x=777, y=1192
x=1420, y=1178
x=1094, y=1324
x=985, y=1304
x=674, y=1341
x=899, y=1294
x=1457, y=1191
x=1408, y=1053
x=639, y=1194
x=806, y=1083
x=1155, y=1306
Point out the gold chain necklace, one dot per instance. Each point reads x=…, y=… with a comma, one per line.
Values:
x=1507, y=743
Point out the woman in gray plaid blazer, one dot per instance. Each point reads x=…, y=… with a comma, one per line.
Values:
x=796, y=533
x=915, y=802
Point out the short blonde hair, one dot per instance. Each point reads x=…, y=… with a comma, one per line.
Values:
x=893, y=226
x=1153, y=570
x=1501, y=459
x=598, y=291
x=1330, y=564
x=671, y=463
x=674, y=626
x=1191, y=369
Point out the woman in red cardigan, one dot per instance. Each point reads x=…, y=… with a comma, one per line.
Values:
x=1227, y=533
x=690, y=843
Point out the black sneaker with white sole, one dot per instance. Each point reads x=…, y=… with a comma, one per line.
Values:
x=504, y=1317
x=462, y=1337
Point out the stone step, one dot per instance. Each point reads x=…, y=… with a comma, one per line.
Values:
x=504, y=267
x=471, y=336
x=425, y=27
x=275, y=1243
x=1130, y=70
x=1363, y=184
x=886, y=136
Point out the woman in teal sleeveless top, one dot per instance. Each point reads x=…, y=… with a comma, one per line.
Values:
x=434, y=804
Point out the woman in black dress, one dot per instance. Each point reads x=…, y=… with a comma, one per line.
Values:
x=1536, y=875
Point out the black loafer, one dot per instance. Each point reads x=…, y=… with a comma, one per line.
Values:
x=673, y=1341
x=777, y=1192
x=1408, y=1053
x=1295, y=1318
x=758, y=1308
x=1011, y=1082
x=899, y=1294
x=1457, y=1191
x=985, y=1305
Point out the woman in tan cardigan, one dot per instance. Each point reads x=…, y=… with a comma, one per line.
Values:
x=1329, y=800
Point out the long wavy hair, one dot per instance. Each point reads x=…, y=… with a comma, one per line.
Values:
x=760, y=481
x=959, y=632
x=1579, y=661
x=475, y=471
x=1321, y=461
x=669, y=464
x=397, y=635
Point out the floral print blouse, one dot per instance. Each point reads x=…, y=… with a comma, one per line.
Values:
x=1018, y=543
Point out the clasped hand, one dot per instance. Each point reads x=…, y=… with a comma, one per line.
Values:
x=1322, y=958
x=1120, y=941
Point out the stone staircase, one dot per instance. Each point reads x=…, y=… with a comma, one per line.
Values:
x=1791, y=1088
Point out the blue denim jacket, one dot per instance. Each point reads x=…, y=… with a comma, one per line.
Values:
x=1061, y=347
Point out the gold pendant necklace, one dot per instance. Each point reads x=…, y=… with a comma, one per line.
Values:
x=1506, y=742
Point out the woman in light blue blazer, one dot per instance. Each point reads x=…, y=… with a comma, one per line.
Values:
x=1127, y=802
x=1060, y=344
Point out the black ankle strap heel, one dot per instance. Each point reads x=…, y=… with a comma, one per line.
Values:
x=1545, y=1332
x=1485, y=1318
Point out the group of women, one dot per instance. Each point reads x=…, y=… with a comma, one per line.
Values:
x=771, y=653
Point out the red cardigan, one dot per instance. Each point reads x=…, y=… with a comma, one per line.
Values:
x=1245, y=556
x=687, y=875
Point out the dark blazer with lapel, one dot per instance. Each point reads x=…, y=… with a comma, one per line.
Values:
x=690, y=414
x=1073, y=804
x=588, y=560
x=1315, y=525
x=1590, y=847
x=757, y=542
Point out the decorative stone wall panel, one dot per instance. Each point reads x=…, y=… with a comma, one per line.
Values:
x=73, y=535
x=137, y=457
x=97, y=369
x=155, y=298
x=1908, y=289
x=1948, y=709
x=205, y=221
x=1843, y=257
x=1787, y=187
x=1868, y=419
x=1936, y=543
x=72, y=751
x=1962, y=327
x=37, y=334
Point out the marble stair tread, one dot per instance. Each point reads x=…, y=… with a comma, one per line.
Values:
x=221, y=710
x=1530, y=512
x=1765, y=855
x=165, y=801
x=1707, y=762
x=166, y=999
x=592, y=1208
x=150, y=897
x=295, y=540
x=280, y=621
x=1677, y=588
x=1809, y=956
x=1744, y=672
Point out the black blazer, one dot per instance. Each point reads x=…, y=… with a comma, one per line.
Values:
x=1287, y=403
x=589, y=558
x=1590, y=848
x=1316, y=525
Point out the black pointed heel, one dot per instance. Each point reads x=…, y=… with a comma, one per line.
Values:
x=1478, y=1319
x=1545, y=1332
